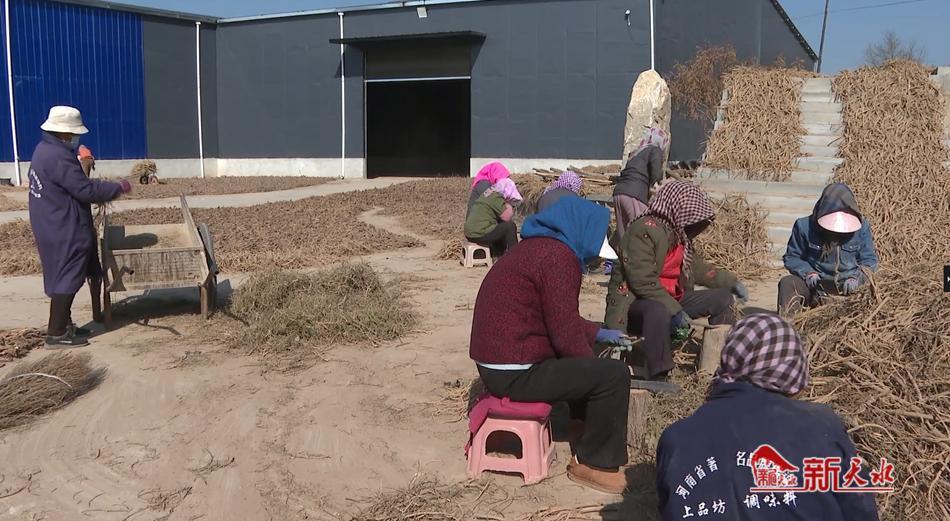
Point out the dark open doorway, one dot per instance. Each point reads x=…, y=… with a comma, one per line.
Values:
x=418, y=128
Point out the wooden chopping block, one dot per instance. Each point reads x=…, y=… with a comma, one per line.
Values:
x=714, y=337
x=637, y=414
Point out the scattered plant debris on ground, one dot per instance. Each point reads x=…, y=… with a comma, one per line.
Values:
x=18, y=250
x=33, y=389
x=761, y=132
x=16, y=343
x=9, y=204
x=696, y=85
x=290, y=317
x=738, y=240
x=173, y=187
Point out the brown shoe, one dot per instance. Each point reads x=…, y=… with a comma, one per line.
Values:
x=607, y=481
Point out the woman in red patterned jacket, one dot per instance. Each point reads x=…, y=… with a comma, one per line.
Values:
x=531, y=344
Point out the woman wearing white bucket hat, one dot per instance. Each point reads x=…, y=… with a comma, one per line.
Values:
x=826, y=252
x=61, y=218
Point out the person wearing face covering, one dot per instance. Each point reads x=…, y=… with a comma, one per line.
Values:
x=826, y=252
x=531, y=344
x=644, y=169
x=61, y=219
x=651, y=290
x=489, y=174
x=704, y=462
x=568, y=184
x=489, y=222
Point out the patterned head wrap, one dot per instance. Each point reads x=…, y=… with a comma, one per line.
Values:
x=654, y=136
x=492, y=172
x=679, y=205
x=766, y=351
x=569, y=180
x=506, y=188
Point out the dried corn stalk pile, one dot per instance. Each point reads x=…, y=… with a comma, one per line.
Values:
x=16, y=343
x=881, y=359
x=738, y=240
x=760, y=135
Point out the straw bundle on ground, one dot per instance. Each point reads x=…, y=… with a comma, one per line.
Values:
x=881, y=358
x=18, y=254
x=290, y=316
x=761, y=131
x=16, y=343
x=145, y=167
x=33, y=389
x=9, y=204
x=696, y=85
x=738, y=240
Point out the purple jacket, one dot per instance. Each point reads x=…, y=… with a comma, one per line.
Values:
x=60, y=195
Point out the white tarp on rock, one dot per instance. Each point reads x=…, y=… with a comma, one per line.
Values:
x=649, y=107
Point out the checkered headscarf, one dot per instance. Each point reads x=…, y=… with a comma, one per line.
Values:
x=679, y=205
x=569, y=180
x=766, y=351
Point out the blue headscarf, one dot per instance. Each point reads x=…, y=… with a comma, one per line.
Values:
x=578, y=223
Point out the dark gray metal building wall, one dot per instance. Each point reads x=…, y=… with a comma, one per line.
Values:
x=753, y=27
x=552, y=78
x=171, y=103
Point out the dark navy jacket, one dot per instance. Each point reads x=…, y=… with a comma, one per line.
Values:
x=703, y=461
x=60, y=195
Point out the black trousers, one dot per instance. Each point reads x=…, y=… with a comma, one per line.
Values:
x=651, y=320
x=500, y=239
x=600, y=387
x=795, y=295
x=60, y=313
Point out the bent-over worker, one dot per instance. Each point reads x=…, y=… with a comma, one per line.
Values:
x=705, y=461
x=568, y=184
x=644, y=168
x=489, y=174
x=489, y=222
x=651, y=289
x=61, y=219
x=531, y=343
x=826, y=252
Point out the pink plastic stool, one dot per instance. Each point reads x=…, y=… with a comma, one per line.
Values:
x=537, y=448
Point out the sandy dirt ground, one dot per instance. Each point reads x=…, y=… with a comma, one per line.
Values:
x=183, y=430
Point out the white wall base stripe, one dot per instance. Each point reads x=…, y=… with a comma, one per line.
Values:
x=521, y=165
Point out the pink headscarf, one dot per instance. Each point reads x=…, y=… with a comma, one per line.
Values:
x=505, y=188
x=492, y=172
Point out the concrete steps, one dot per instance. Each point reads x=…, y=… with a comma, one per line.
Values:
x=821, y=165
x=820, y=107
x=821, y=140
x=821, y=118
x=818, y=97
x=817, y=85
x=820, y=151
x=823, y=129
x=715, y=178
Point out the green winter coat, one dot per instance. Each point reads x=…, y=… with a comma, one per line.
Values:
x=637, y=274
x=484, y=215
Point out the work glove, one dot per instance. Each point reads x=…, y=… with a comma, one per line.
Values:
x=741, y=292
x=812, y=280
x=679, y=326
x=849, y=286
x=126, y=186
x=610, y=336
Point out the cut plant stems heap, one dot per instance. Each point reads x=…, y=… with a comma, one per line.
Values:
x=881, y=358
x=291, y=317
x=761, y=132
x=33, y=389
x=738, y=240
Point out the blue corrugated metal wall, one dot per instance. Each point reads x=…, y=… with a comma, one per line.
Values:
x=6, y=141
x=90, y=58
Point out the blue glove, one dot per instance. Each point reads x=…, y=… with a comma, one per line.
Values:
x=850, y=286
x=740, y=291
x=680, y=320
x=812, y=280
x=610, y=336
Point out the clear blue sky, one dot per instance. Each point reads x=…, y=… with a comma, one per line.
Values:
x=852, y=24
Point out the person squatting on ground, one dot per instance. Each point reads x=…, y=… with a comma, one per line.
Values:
x=489, y=222
x=704, y=462
x=485, y=179
x=568, y=184
x=531, y=344
x=826, y=252
x=644, y=169
x=651, y=289
x=61, y=219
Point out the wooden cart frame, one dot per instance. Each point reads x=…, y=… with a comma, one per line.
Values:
x=126, y=267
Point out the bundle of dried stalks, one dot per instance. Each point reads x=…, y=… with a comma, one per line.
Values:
x=738, y=240
x=9, y=204
x=143, y=168
x=290, y=316
x=450, y=250
x=761, y=132
x=16, y=343
x=424, y=499
x=531, y=187
x=18, y=254
x=881, y=358
x=33, y=389
x=458, y=397
x=894, y=157
x=696, y=86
